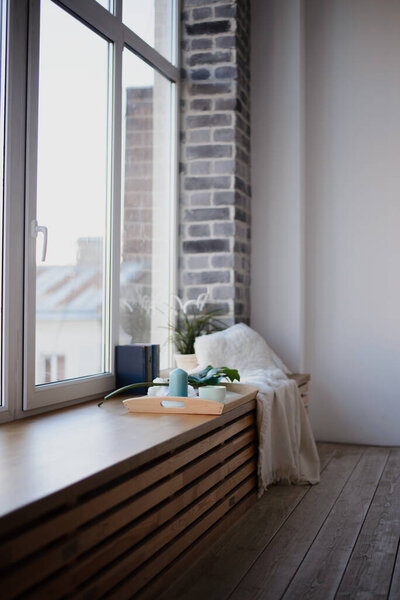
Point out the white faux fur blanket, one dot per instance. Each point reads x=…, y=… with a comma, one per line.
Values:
x=287, y=450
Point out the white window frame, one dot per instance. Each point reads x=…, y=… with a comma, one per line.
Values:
x=21, y=397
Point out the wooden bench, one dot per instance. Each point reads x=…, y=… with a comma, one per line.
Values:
x=94, y=501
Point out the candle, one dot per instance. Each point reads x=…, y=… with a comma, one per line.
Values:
x=178, y=383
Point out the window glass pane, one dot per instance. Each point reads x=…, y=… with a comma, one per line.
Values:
x=72, y=198
x=2, y=128
x=153, y=22
x=108, y=4
x=145, y=253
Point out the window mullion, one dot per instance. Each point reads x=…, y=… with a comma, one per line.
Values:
x=116, y=197
x=14, y=198
x=30, y=196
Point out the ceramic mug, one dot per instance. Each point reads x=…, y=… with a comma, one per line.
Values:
x=213, y=392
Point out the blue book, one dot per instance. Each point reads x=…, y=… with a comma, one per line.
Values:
x=135, y=363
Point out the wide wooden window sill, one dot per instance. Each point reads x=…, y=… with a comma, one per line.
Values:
x=43, y=455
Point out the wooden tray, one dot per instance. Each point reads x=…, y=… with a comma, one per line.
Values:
x=237, y=394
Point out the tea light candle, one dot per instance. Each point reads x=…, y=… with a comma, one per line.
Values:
x=178, y=383
x=213, y=392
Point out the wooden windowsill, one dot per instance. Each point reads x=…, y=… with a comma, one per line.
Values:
x=43, y=455
x=49, y=455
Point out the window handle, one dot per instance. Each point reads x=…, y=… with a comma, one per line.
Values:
x=36, y=228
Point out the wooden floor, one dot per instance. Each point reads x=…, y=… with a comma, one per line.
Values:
x=338, y=539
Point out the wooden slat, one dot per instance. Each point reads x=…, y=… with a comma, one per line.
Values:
x=135, y=582
x=191, y=554
x=333, y=545
x=126, y=538
x=111, y=577
x=227, y=561
x=274, y=568
x=52, y=529
x=369, y=570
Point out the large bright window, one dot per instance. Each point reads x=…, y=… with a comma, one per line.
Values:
x=72, y=197
x=95, y=118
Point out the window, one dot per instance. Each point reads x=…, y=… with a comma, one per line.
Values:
x=145, y=286
x=93, y=267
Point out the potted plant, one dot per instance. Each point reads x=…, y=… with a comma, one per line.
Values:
x=192, y=319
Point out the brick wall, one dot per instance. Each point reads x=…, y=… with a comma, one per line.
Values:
x=137, y=233
x=215, y=155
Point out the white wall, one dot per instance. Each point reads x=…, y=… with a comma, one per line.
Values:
x=350, y=158
x=276, y=90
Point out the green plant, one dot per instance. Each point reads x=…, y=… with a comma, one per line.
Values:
x=208, y=376
x=135, y=318
x=192, y=319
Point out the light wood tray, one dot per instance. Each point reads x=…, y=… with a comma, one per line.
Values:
x=237, y=394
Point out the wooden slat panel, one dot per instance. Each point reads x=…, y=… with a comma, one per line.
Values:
x=50, y=561
x=111, y=577
x=52, y=529
x=191, y=554
x=138, y=580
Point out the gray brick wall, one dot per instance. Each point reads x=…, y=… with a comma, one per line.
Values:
x=215, y=155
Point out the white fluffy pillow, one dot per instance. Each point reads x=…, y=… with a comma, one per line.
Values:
x=238, y=347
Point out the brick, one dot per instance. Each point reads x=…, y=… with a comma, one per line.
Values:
x=225, y=104
x=201, y=89
x=204, y=277
x=200, y=199
x=226, y=10
x=223, y=292
x=209, y=151
x=222, y=260
x=224, y=229
x=199, y=262
x=207, y=183
x=199, y=74
x=206, y=214
x=199, y=136
x=209, y=58
x=226, y=72
x=224, y=135
x=215, y=120
x=202, y=167
x=200, y=104
x=224, y=167
x=201, y=44
x=202, y=13
x=226, y=41
x=189, y=3
x=200, y=246
x=202, y=230
x=224, y=198
x=208, y=27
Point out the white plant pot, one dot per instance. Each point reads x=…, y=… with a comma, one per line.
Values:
x=187, y=362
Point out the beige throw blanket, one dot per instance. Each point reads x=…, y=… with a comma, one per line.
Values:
x=287, y=450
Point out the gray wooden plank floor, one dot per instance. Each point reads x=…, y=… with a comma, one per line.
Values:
x=338, y=539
